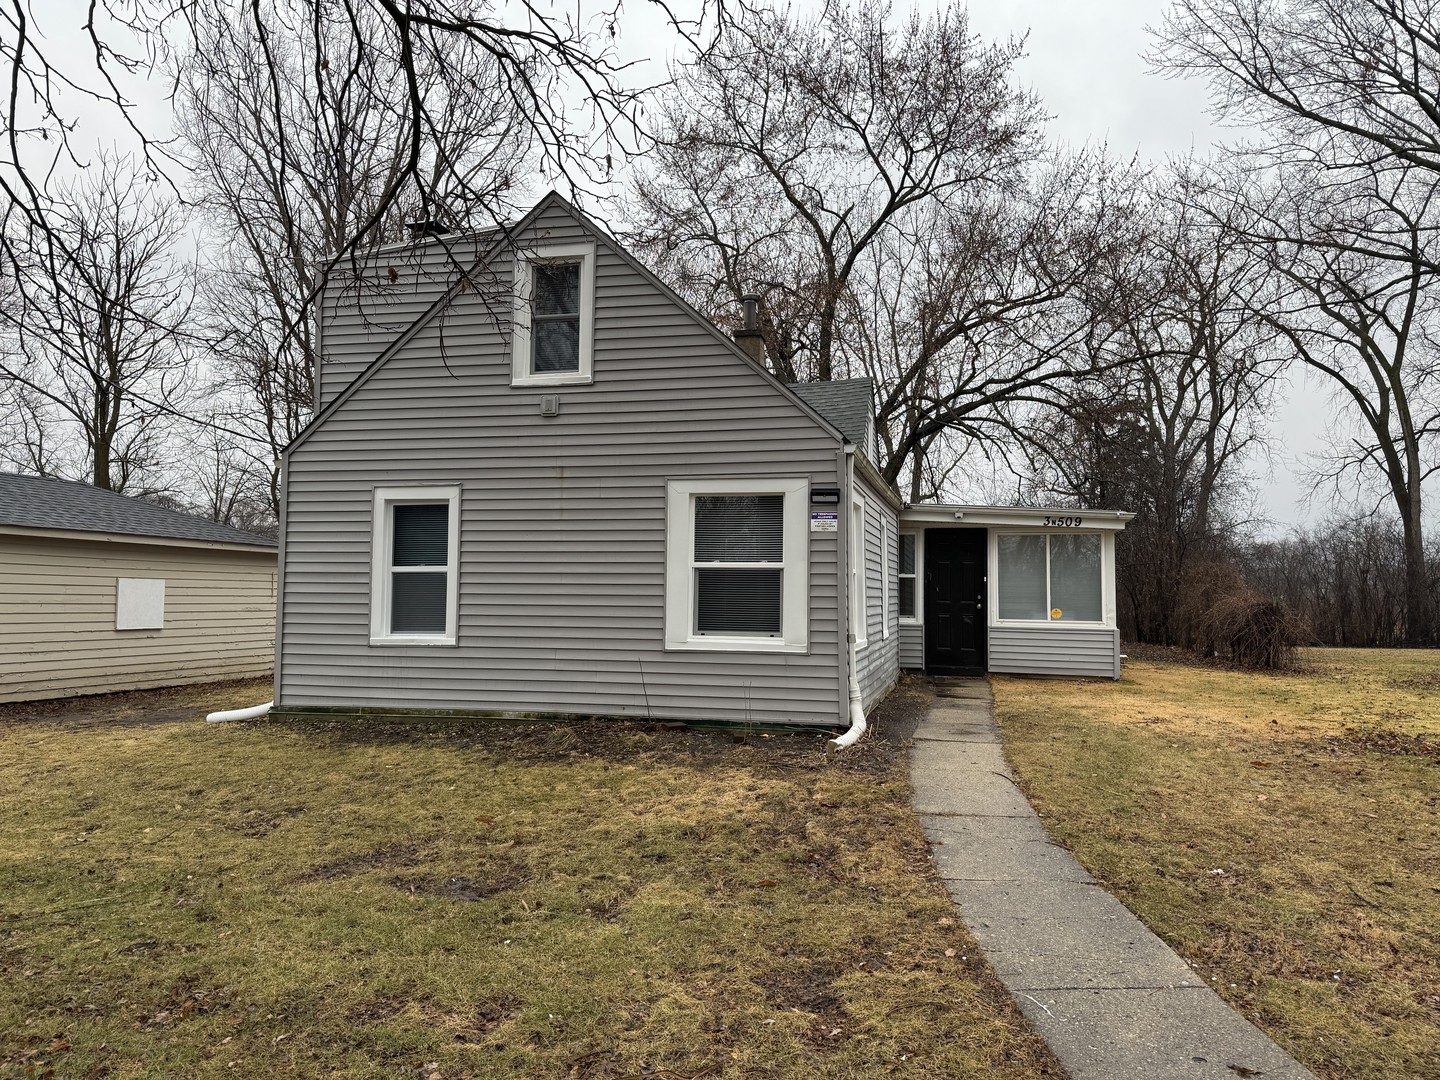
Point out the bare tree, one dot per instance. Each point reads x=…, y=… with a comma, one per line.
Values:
x=98, y=332
x=1354, y=252
x=280, y=208
x=1167, y=434
x=1304, y=72
x=975, y=314
x=790, y=147
x=557, y=72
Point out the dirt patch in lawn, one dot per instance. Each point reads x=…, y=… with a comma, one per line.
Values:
x=140, y=708
x=537, y=901
x=1281, y=832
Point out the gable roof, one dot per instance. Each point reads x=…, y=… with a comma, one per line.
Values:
x=34, y=502
x=846, y=403
x=506, y=233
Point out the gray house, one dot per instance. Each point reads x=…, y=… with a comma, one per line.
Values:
x=539, y=483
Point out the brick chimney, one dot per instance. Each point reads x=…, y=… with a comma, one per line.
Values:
x=749, y=337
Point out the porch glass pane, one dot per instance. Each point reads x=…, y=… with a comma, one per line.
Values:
x=1075, y=577
x=907, y=598
x=1022, y=577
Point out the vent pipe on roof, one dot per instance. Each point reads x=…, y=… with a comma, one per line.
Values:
x=421, y=229
x=749, y=337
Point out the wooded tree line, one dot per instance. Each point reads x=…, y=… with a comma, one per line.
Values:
x=1104, y=332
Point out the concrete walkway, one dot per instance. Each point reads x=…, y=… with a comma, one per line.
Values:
x=1113, y=1001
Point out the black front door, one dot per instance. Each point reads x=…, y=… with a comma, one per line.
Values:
x=955, y=601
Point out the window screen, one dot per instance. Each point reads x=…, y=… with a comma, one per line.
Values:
x=1022, y=577
x=736, y=593
x=1075, y=578
x=907, y=576
x=418, y=568
x=555, y=318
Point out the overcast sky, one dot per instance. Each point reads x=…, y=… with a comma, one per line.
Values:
x=1085, y=60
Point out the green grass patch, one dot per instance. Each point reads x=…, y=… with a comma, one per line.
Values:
x=1280, y=831
x=484, y=900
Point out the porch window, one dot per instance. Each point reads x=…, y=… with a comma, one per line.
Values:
x=414, y=567
x=1049, y=577
x=906, y=577
x=737, y=575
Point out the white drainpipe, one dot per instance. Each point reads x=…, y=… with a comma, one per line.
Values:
x=857, y=709
x=252, y=713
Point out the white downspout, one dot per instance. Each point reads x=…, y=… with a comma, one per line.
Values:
x=857, y=709
x=252, y=713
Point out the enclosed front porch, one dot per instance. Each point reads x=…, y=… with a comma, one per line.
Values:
x=1008, y=589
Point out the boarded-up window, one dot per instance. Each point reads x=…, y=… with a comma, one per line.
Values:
x=139, y=603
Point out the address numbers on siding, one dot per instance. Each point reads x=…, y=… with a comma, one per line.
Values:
x=1063, y=522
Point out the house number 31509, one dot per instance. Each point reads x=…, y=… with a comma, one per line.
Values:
x=1062, y=522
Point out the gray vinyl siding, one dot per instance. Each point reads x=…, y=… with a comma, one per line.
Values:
x=912, y=647
x=878, y=661
x=562, y=534
x=362, y=310
x=1053, y=650
x=57, y=617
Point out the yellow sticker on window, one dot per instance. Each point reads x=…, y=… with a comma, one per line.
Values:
x=1056, y=613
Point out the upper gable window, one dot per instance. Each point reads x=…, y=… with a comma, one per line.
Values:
x=554, y=315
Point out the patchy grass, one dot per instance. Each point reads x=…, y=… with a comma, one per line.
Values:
x=487, y=900
x=1280, y=831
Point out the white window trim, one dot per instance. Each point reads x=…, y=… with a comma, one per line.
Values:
x=1107, y=580
x=859, y=615
x=524, y=259
x=382, y=539
x=919, y=617
x=795, y=569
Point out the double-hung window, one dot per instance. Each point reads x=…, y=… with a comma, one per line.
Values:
x=1056, y=577
x=737, y=574
x=414, y=572
x=554, y=315
x=906, y=577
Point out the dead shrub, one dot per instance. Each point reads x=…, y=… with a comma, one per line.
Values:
x=1223, y=616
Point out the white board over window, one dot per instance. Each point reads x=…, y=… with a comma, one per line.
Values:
x=139, y=603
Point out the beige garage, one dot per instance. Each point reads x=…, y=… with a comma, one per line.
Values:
x=100, y=592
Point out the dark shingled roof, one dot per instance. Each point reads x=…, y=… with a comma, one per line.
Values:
x=33, y=502
x=846, y=403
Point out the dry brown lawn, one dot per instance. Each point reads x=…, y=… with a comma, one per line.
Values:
x=303, y=899
x=1280, y=831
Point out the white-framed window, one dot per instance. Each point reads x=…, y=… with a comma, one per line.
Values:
x=737, y=565
x=859, y=617
x=414, y=577
x=552, y=332
x=906, y=578
x=1050, y=577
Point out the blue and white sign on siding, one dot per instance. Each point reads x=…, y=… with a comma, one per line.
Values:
x=824, y=521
